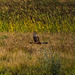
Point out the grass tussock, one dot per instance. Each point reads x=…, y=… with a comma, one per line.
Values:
x=20, y=57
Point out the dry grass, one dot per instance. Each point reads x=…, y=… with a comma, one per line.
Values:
x=15, y=48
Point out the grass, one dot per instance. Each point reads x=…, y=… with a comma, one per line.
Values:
x=54, y=21
x=20, y=57
x=26, y=16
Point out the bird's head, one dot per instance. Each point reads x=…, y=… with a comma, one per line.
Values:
x=35, y=34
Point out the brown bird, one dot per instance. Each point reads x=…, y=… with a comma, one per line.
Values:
x=36, y=38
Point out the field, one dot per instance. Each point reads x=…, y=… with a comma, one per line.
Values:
x=42, y=16
x=54, y=22
x=18, y=56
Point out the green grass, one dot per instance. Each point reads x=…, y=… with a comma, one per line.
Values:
x=42, y=16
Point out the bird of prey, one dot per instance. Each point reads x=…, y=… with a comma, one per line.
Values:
x=36, y=38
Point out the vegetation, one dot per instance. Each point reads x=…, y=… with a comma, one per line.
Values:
x=19, y=57
x=39, y=15
x=54, y=18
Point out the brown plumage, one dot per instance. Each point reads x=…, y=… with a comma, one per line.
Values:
x=36, y=38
